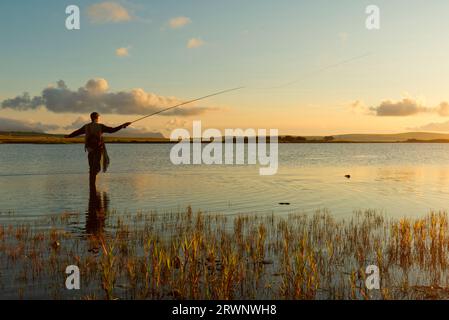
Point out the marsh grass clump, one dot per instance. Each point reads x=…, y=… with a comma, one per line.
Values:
x=188, y=255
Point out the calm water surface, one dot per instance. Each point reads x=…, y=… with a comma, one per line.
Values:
x=399, y=179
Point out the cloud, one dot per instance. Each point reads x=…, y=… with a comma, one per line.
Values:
x=405, y=107
x=195, y=43
x=23, y=102
x=129, y=132
x=108, y=12
x=7, y=124
x=408, y=107
x=174, y=124
x=443, y=109
x=122, y=52
x=179, y=22
x=138, y=133
x=78, y=123
x=357, y=105
x=434, y=126
x=95, y=96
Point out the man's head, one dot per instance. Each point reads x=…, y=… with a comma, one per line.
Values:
x=94, y=116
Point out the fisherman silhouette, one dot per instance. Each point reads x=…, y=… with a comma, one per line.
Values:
x=95, y=146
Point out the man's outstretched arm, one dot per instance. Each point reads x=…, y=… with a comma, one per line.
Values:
x=107, y=129
x=76, y=133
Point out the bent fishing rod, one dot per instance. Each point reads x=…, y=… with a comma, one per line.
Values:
x=187, y=102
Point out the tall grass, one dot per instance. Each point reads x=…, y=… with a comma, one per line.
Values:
x=186, y=255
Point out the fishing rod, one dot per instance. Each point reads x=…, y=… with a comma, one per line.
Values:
x=187, y=102
x=267, y=88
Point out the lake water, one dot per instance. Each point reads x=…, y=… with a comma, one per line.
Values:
x=398, y=179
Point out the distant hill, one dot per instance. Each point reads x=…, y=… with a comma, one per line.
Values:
x=353, y=137
x=26, y=134
x=121, y=134
x=45, y=138
x=137, y=136
x=392, y=137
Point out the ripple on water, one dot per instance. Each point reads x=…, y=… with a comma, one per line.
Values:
x=402, y=179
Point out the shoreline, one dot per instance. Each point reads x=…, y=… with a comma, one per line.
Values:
x=132, y=141
x=126, y=140
x=410, y=137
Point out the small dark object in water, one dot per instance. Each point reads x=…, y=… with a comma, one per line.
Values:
x=284, y=203
x=348, y=176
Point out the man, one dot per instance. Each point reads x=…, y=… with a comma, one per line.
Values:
x=94, y=145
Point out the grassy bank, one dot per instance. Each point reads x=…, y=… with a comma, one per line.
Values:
x=62, y=140
x=55, y=139
x=407, y=137
x=189, y=255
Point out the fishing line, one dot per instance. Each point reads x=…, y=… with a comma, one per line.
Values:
x=267, y=88
x=318, y=71
x=187, y=102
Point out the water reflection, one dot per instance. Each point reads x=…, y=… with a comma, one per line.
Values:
x=96, y=218
x=400, y=179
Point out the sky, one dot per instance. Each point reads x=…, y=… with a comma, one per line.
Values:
x=308, y=67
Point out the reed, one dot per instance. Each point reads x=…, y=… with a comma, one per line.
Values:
x=187, y=255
